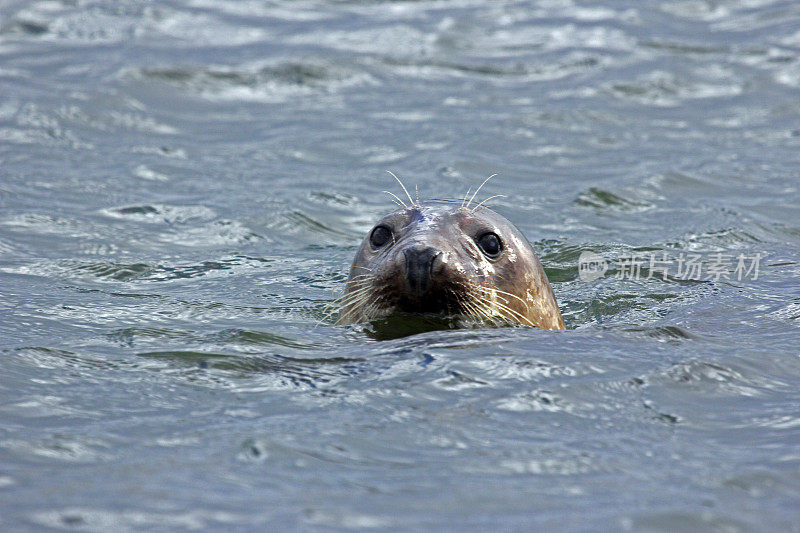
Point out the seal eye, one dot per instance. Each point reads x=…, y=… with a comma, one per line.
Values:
x=490, y=245
x=380, y=236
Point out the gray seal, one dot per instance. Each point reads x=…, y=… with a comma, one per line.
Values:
x=440, y=257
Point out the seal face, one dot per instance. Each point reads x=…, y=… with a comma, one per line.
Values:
x=438, y=257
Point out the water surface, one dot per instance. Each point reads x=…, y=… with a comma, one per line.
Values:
x=184, y=183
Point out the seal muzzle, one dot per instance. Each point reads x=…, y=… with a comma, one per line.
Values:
x=420, y=263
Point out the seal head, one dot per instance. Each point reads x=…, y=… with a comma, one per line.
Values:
x=438, y=257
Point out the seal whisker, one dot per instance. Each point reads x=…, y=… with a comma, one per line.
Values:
x=358, y=282
x=352, y=299
x=477, y=309
x=396, y=200
x=347, y=312
x=520, y=317
x=469, y=308
x=512, y=315
x=403, y=186
x=345, y=318
x=465, y=197
x=482, y=313
x=358, y=288
x=484, y=202
x=471, y=312
x=359, y=278
x=488, y=315
x=493, y=295
x=355, y=294
x=372, y=310
x=339, y=304
x=355, y=298
x=335, y=301
x=500, y=291
x=479, y=189
x=328, y=314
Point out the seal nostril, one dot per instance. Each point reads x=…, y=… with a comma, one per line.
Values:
x=419, y=265
x=436, y=263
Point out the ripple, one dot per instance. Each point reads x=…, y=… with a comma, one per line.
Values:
x=55, y=359
x=334, y=199
x=114, y=271
x=399, y=39
x=138, y=122
x=257, y=338
x=613, y=306
x=708, y=378
x=538, y=400
x=340, y=518
x=456, y=381
x=671, y=334
x=62, y=448
x=431, y=68
x=299, y=219
x=51, y=136
x=686, y=48
x=789, y=313
x=140, y=335
x=271, y=82
x=782, y=422
x=128, y=272
x=114, y=119
x=159, y=213
x=218, y=233
x=26, y=27
x=704, y=10
x=191, y=226
x=685, y=521
x=303, y=11
x=557, y=467
x=7, y=249
x=146, y=173
x=47, y=224
x=524, y=369
x=252, y=374
x=606, y=200
x=98, y=519
x=103, y=23
x=163, y=151
x=789, y=75
x=667, y=89
x=724, y=240
x=757, y=482
x=547, y=462
x=39, y=406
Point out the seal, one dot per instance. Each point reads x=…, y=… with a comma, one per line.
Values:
x=443, y=257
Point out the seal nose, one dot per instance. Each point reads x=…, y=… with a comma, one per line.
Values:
x=421, y=261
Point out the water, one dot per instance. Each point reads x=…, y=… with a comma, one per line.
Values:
x=184, y=183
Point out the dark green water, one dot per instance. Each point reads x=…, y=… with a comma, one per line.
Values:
x=183, y=185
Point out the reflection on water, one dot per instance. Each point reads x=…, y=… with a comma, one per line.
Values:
x=183, y=186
